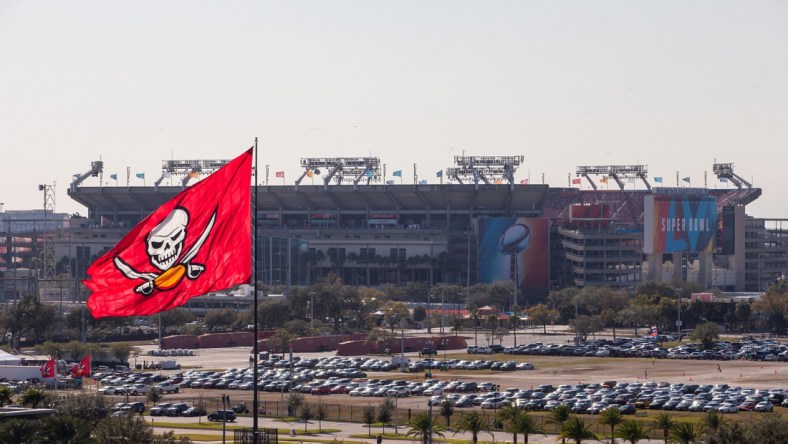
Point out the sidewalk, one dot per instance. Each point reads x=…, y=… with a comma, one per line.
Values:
x=348, y=429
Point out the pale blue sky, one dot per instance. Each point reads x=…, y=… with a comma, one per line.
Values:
x=669, y=84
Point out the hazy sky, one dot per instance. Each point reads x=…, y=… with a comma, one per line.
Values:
x=673, y=85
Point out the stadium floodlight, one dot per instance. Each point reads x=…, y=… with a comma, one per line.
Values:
x=189, y=168
x=615, y=172
x=725, y=171
x=342, y=169
x=484, y=168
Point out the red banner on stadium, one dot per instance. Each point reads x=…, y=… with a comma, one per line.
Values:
x=200, y=241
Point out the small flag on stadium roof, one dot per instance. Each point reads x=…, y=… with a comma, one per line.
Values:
x=389, y=182
x=686, y=179
x=310, y=173
x=723, y=179
x=397, y=173
x=603, y=180
x=113, y=176
x=368, y=173
x=576, y=181
x=423, y=182
x=524, y=182
x=658, y=179
x=280, y=174
x=439, y=173
x=140, y=176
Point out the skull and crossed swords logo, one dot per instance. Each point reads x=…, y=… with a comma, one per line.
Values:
x=165, y=243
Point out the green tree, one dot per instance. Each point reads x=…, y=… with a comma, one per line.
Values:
x=154, y=396
x=18, y=431
x=712, y=421
x=632, y=431
x=5, y=395
x=115, y=429
x=473, y=423
x=369, y=417
x=524, y=424
x=321, y=413
x=473, y=311
x=686, y=433
x=706, y=333
x=88, y=406
x=385, y=412
x=559, y=416
x=744, y=314
x=122, y=350
x=307, y=413
x=518, y=421
x=541, y=315
x=220, y=319
x=576, y=429
x=421, y=426
x=585, y=325
x=32, y=397
x=612, y=417
x=419, y=313
x=665, y=423
x=294, y=401
x=280, y=340
x=63, y=429
x=447, y=410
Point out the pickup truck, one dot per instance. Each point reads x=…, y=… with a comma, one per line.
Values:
x=166, y=387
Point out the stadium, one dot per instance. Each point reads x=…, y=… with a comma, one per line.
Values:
x=479, y=227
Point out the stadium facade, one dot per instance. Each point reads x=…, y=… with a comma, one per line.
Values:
x=540, y=237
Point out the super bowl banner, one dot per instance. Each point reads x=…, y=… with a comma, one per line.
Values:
x=514, y=249
x=680, y=224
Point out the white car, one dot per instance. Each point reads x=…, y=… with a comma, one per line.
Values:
x=493, y=403
x=108, y=390
x=728, y=407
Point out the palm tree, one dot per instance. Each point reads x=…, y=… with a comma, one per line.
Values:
x=421, y=425
x=492, y=321
x=664, y=422
x=685, y=433
x=473, y=422
x=18, y=431
x=5, y=395
x=32, y=397
x=525, y=424
x=632, y=431
x=514, y=320
x=473, y=310
x=510, y=413
x=65, y=429
x=612, y=416
x=560, y=415
x=575, y=428
x=712, y=422
x=447, y=409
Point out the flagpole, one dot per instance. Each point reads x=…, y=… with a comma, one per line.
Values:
x=254, y=280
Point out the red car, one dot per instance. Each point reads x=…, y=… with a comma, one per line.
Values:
x=747, y=406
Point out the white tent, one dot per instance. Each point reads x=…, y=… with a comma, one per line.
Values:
x=9, y=359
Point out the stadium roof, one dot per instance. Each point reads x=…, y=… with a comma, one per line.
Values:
x=344, y=197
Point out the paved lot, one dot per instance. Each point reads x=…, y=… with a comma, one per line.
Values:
x=552, y=370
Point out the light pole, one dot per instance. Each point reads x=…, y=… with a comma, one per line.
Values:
x=429, y=323
x=312, y=310
x=402, y=344
x=678, y=320
x=224, y=418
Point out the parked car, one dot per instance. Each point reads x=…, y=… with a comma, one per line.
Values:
x=193, y=411
x=158, y=410
x=222, y=416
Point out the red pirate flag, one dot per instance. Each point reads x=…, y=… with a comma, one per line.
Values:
x=48, y=369
x=200, y=241
x=82, y=370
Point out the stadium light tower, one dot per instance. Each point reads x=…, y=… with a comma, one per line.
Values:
x=487, y=169
x=615, y=172
x=725, y=171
